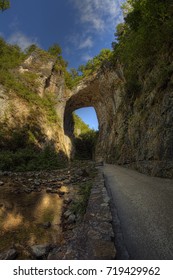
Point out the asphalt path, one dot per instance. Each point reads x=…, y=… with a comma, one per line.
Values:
x=143, y=206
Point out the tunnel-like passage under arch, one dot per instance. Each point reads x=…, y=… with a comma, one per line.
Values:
x=88, y=94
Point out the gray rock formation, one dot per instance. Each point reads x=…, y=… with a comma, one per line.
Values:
x=134, y=130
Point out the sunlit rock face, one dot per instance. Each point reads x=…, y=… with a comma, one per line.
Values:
x=17, y=113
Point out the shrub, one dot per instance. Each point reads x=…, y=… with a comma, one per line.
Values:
x=30, y=159
x=79, y=206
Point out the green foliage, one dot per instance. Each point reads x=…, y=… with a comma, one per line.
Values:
x=48, y=104
x=143, y=37
x=25, y=84
x=61, y=65
x=94, y=64
x=79, y=207
x=42, y=54
x=20, y=150
x=10, y=58
x=29, y=159
x=85, y=139
x=19, y=146
x=70, y=80
x=45, y=104
x=20, y=137
x=10, y=55
x=31, y=49
x=29, y=79
x=79, y=125
x=55, y=50
x=4, y=4
x=73, y=77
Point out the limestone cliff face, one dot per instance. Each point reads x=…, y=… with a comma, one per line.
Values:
x=35, y=113
x=139, y=128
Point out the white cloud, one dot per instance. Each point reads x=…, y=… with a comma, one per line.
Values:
x=87, y=43
x=21, y=40
x=99, y=15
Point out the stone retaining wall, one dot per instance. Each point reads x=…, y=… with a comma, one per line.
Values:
x=93, y=238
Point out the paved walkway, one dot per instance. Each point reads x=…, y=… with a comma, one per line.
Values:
x=145, y=209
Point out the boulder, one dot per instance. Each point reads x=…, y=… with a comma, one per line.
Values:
x=40, y=251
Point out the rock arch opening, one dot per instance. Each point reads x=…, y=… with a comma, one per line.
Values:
x=86, y=94
x=82, y=128
x=102, y=92
x=85, y=133
x=88, y=116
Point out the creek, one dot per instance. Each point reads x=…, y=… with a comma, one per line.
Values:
x=29, y=218
x=36, y=207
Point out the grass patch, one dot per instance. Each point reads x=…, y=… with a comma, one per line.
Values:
x=79, y=207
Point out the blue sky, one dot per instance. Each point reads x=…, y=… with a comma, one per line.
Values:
x=81, y=27
x=88, y=115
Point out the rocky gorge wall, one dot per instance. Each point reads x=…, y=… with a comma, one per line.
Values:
x=141, y=134
x=38, y=111
x=135, y=129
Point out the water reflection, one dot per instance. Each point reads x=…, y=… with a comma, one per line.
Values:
x=22, y=218
x=11, y=221
x=47, y=209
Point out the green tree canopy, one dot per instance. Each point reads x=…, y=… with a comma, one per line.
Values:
x=146, y=34
x=55, y=50
x=31, y=49
x=4, y=4
x=95, y=63
x=79, y=126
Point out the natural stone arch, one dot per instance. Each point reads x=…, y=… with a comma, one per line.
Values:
x=103, y=91
x=86, y=94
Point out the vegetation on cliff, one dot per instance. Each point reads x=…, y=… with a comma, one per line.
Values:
x=24, y=144
x=85, y=139
x=79, y=126
x=20, y=143
x=25, y=84
x=73, y=77
x=4, y=4
x=145, y=40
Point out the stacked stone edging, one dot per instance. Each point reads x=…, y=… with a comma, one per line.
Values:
x=93, y=238
x=97, y=223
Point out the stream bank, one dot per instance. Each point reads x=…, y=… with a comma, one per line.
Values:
x=42, y=214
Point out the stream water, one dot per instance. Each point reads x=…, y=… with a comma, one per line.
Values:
x=25, y=218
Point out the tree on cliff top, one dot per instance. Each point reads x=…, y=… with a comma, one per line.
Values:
x=4, y=4
x=55, y=50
